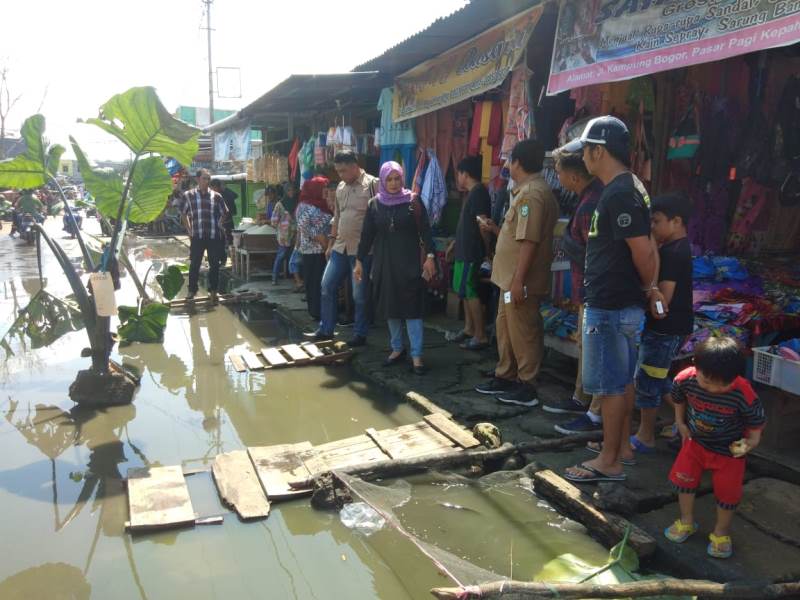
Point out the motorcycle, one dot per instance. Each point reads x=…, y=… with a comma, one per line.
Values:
x=72, y=225
x=26, y=230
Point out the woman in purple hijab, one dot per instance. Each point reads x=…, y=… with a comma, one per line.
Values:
x=398, y=234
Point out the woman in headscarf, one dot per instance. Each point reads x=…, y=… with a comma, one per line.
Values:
x=313, y=218
x=397, y=231
x=286, y=228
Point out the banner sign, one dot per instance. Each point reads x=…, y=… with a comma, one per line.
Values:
x=467, y=70
x=598, y=41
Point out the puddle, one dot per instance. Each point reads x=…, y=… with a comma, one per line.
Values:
x=62, y=468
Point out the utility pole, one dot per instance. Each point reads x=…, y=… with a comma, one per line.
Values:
x=210, y=74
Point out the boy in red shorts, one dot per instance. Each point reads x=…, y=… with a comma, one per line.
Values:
x=720, y=419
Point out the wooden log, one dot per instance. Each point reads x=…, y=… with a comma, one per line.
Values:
x=452, y=430
x=239, y=486
x=633, y=589
x=426, y=406
x=607, y=527
x=399, y=468
x=538, y=444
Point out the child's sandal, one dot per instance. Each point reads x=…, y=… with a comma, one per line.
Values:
x=720, y=546
x=679, y=531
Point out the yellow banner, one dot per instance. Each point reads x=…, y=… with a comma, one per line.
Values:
x=467, y=70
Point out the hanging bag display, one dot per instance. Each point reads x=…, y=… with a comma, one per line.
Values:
x=685, y=140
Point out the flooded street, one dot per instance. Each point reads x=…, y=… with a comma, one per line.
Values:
x=62, y=468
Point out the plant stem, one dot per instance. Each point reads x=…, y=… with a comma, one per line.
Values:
x=87, y=258
x=118, y=224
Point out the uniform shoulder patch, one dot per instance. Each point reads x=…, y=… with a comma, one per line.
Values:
x=624, y=220
x=524, y=210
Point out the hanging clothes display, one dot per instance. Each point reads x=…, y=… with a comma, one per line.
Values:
x=396, y=140
x=434, y=189
x=487, y=135
x=518, y=117
x=293, y=158
x=222, y=144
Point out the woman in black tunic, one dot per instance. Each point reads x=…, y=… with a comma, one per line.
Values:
x=397, y=231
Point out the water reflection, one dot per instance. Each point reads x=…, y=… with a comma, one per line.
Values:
x=36, y=582
x=44, y=320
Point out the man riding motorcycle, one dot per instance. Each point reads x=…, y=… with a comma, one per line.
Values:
x=27, y=204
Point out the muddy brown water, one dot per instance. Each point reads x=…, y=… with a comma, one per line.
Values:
x=62, y=468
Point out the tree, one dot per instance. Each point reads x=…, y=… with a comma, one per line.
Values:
x=6, y=104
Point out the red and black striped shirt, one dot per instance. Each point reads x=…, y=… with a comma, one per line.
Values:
x=718, y=420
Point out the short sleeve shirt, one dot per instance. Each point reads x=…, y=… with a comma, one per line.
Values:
x=676, y=265
x=311, y=222
x=351, y=207
x=204, y=212
x=718, y=420
x=532, y=216
x=469, y=243
x=610, y=277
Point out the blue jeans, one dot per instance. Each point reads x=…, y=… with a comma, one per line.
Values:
x=415, y=330
x=284, y=252
x=295, y=262
x=656, y=354
x=610, y=349
x=336, y=272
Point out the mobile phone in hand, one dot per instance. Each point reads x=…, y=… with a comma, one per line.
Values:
x=659, y=307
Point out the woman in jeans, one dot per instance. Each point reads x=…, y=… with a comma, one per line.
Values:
x=396, y=230
x=286, y=228
x=313, y=226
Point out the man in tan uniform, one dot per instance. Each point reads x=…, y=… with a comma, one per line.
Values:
x=521, y=269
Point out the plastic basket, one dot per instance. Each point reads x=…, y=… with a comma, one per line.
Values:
x=776, y=371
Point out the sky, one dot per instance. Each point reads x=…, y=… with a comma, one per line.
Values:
x=67, y=58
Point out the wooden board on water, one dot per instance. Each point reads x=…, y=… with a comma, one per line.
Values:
x=295, y=353
x=237, y=362
x=379, y=441
x=452, y=430
x=274, y=357
x=251, y=359
x=239, y=485
x=341, y=453
x=418, y=439
x=277, y=465
x=313, y=350
x=158, y=498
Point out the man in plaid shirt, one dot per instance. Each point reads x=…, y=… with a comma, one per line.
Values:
x=203, y=211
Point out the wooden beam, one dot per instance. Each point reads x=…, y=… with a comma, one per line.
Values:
x=452, y=430
x=425, y=405
x=607, y=527
x=239, y=486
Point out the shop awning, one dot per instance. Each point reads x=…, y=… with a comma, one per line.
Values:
x=599, y=42
x=300, y=95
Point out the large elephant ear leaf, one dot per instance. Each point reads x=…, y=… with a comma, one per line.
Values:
x=139, y=120
x=106, y=188
x=28, y=170
x=54, y=154
x=150, y=188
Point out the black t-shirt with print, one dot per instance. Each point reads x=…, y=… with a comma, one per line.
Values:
x=676, y=265
x=469, y=243
x=610, y=277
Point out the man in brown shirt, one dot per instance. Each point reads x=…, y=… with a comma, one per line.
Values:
x=352, y=196
x=521, y=269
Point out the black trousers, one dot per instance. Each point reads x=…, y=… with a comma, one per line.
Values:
x=313, y=268
x=215, y=250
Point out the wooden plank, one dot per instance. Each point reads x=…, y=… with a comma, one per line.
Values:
x=277, y=465
x=341, y=453
x=379, y=441
x=274, y=357
x=239, y=486
x=237, y=362
x=251, y=359
x=607, y=527
x=416, y=440
x=313, y=350
x=295, y=353
x=158, y=497
x=452, y=430
x=425, y=405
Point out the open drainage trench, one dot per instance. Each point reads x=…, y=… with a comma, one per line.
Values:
x=62, y=473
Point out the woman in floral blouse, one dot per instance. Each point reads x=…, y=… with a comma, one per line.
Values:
x=313, y=226
x=284, y=223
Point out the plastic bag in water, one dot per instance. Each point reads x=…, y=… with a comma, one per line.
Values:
x=361, y=517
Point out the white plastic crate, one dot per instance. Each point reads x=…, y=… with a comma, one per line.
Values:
x=776, y=371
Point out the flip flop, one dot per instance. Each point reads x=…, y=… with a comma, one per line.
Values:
x=719, y=546
x=596, y=476
x=641, y=447
x=458, y=337
x=473, y=345
x=628, y=462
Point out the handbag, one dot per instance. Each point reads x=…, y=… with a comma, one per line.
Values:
x=685, y=140
x=416, y=211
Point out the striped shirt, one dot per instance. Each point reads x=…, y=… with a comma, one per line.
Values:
x=718, y=420
x=204, y=212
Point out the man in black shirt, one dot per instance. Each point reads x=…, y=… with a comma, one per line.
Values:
x=666, y=328
x=620, y=274
x=471, y=249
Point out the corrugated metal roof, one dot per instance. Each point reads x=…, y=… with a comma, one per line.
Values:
x=445, y=33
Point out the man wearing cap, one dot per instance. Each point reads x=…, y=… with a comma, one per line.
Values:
x=620, y=275
x=521, y=269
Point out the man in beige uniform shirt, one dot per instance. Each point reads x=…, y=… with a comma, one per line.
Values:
x=352, y=196
x=521, y=269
